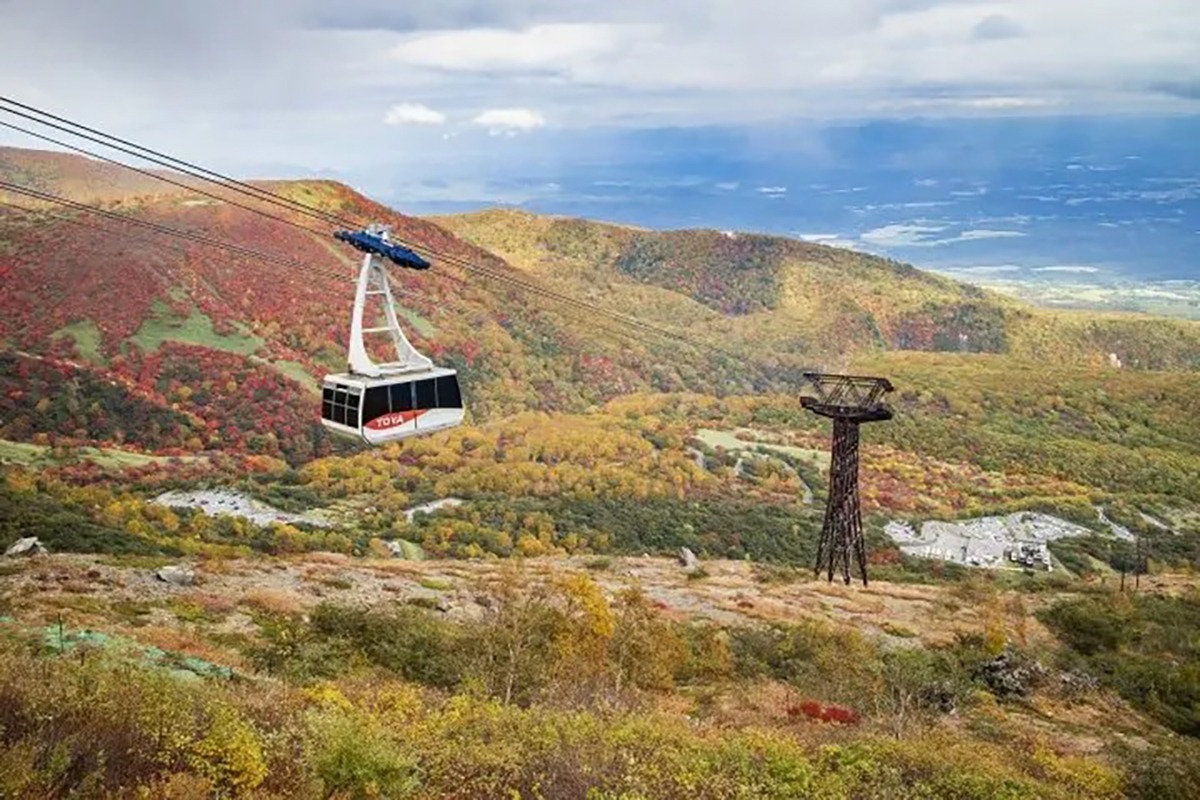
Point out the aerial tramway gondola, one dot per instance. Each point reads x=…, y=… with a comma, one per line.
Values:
x=387, y=402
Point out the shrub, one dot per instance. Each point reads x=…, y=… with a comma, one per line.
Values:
x=60, y=732
x=409, y=641
x=1146, y=647
x=373, y=737
x=291, y=648
x=357, y=759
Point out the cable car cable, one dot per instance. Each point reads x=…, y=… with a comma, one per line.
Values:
x=585, y=314
x=182, y=165
x=309, y=210
x=188, y=235
x=276, y=199
x=256, y=254
x=166, y=229
x=149, y=174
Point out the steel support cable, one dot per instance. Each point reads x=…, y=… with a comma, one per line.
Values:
x=179, y=164
x=43, y=212
x=199, y=238
x=149, y=174
x=577, y=315
x=266, y=196
x=217, y=178
x=262, y=194
x=580, y=315
x=33, y=213
x=266, y=257
x=617, y=316
x=209, y=289
x=583, y=306
x=165, y=230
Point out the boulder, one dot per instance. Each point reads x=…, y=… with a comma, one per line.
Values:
x=1078, y=682
x=1012, y=675
x=688, y=559
x=443, y=604
x=177, y=574
x=23, y=548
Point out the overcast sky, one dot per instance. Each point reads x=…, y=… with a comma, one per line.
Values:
x=458, y=88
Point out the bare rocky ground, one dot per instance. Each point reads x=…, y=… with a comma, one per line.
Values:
x=123, y=602
x=76, y=587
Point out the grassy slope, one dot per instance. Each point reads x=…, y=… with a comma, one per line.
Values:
x=196, y=329
x=109, y=458
x=86, y=337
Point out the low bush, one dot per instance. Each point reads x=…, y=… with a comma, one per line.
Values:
x=1147, y=647
x=64, y=720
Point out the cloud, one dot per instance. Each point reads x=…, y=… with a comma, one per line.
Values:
x=976, y=235
x=987, y=269
x=830, y=240
x=897, y=206
x=509, y=121
x=1185, y=89
x=951, y=104
x=413, y=114
x=901, y=235
x=1007, y=103
x=772, y=190
x=621, y=63
x=1068, y=268
x=540, y=46
x=919, y=235
x=997, y=26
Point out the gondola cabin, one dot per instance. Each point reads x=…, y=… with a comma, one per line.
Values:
x=387, y=402
x=392, y=407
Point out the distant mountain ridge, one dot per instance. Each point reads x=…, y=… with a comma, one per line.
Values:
x=231, y=348
x=799, y=297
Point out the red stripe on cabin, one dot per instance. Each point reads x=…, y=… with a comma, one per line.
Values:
x=393, y=419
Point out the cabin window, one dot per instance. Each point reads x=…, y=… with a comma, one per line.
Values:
x=448, y=395
x=402, y=397
x=340, y=405
x=426, y=393
x=375, y=404
x=327, y=403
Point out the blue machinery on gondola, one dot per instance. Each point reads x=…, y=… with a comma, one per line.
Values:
x=386, y=402
x=375, y=240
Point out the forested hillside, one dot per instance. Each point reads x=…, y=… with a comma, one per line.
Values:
x=240, y=344
x=789, y=296
x=120, y=337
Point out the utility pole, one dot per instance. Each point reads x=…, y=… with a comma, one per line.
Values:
x=848, y=400
x=1139, y=562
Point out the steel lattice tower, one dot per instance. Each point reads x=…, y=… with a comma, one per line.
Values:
x=848, y=400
